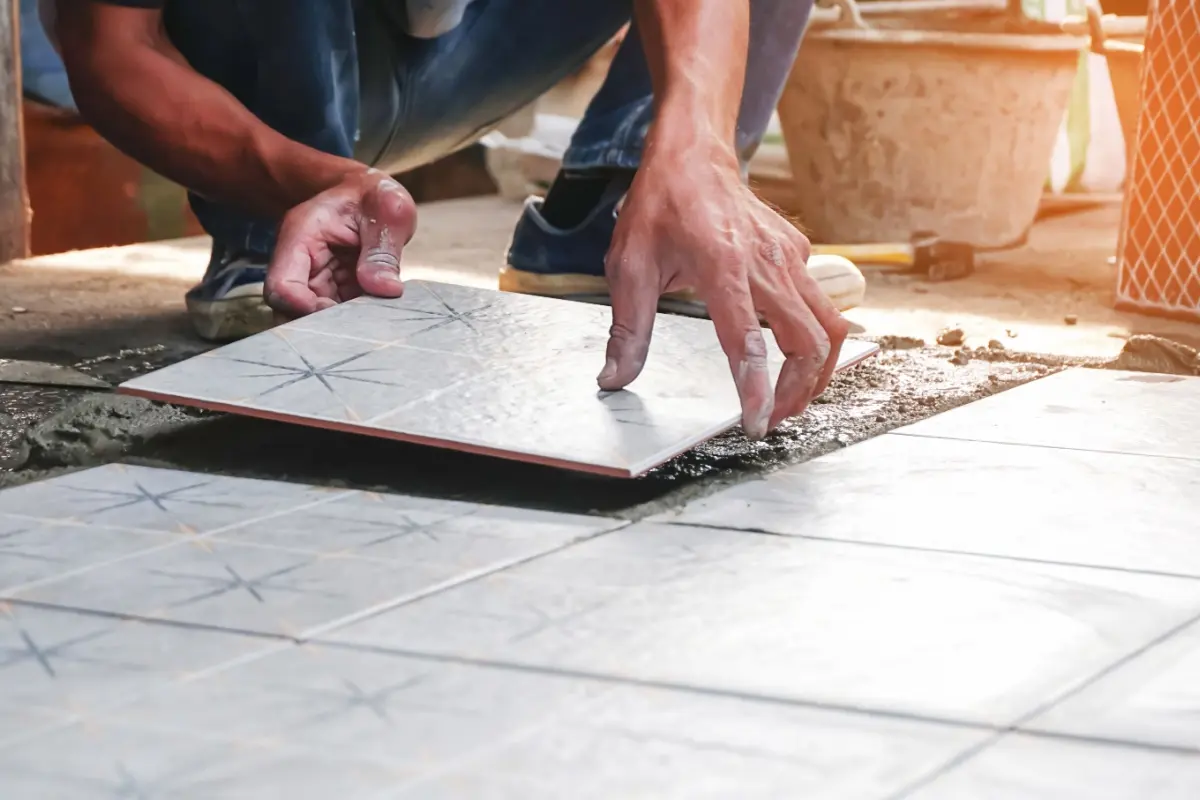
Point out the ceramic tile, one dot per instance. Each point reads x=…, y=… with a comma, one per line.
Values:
x=265, y=590
x=412, y=530
x=1101, y=509
x=1105, y=410
x=96, y=759
x=1152, y=699
x=476, y=370
x=18, y=723
x=940, y=635
x=33, y=550
x=65, y=662
x=479, y=731
x=168, y=501
x=1029, y=768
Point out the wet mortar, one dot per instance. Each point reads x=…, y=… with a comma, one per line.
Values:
x=45, y=432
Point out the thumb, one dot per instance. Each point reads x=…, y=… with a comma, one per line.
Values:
x=388, y=220
x=635, y=292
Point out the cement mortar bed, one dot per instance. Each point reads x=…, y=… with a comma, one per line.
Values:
x=49, y=431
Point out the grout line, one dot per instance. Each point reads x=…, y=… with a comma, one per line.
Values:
x=933, y=550
x=1086, y=683
x=176, y=540
x=650, y=683
x=169, y=623
x=319, y=630
x=901, y=432
x=1017, y=726
x=737, y=694
x=453, y=583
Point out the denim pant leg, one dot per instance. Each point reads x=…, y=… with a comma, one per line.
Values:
x=613, y=130
x=502, y=56
x=293, y=63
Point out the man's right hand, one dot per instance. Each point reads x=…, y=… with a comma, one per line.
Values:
x=344, y=242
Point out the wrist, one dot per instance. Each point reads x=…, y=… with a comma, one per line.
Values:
x=685, y=134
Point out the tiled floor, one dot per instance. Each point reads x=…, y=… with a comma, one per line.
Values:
x=476, y=370
x=923, y=616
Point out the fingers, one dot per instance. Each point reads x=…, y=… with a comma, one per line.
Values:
x=287, y=288
x=835, y=326
x=389, y=219
x=800, y=336
x=732, y=310
x=635, y=289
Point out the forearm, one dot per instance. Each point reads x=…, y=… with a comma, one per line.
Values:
x=696, y=50
x=145, y=99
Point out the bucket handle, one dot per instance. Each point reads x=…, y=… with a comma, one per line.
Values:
x=849, y=16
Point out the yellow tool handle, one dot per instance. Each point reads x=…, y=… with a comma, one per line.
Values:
x=900, y=255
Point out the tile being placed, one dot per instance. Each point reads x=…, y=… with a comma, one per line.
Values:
x=459, y=730
x=1022, y=767
x=106, y=759
x=1100, y=509
x=158, y=500
x=62, y=662
x=940, y=635
x=1154, y=699
x=475, y=370
x=1085, y=409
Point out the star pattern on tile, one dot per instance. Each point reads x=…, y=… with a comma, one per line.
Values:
x=308, y=371
x=381, y=532
x=12, y=547
x=353, y=697
x=257, y=587
x=28, y=649
x=139, y=495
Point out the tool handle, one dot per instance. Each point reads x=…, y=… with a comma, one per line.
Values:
x=900, y=255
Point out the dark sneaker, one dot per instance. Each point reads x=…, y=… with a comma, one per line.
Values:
x=569, y=263
x=228, y=304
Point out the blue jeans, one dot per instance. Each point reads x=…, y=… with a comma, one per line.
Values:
x=344, y=77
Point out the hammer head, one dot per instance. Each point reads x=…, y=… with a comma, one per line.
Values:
x=941, y=260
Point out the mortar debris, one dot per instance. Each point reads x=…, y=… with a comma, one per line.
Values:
x=961, y=357
x=951, y=337
x=898, y=342
x=1071, y=319
x=1149, y=353
x=996, y=344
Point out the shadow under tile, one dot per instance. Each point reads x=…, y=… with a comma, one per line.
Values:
x=282, y=451
x=458, y=730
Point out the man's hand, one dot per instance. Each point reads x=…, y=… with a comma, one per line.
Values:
x=344, y=242
x=690, y=223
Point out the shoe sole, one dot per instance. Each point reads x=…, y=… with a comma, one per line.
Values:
x=231, y=318
x=838, y=278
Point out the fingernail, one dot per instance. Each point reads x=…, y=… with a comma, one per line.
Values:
x=609, y=372
x=389, y=276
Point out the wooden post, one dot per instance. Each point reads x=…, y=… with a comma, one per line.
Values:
x=14, y=199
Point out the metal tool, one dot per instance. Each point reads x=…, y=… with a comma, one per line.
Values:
x=924, y=253
x=42, y=373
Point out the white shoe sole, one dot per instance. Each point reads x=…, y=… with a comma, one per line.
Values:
x=840, y=280
x=239, y=314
